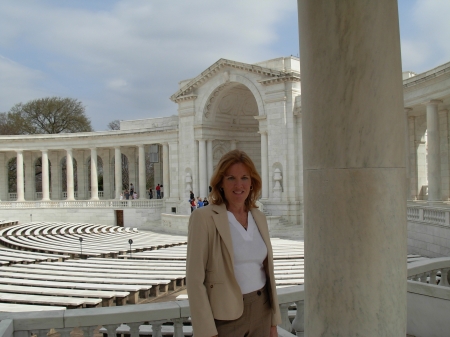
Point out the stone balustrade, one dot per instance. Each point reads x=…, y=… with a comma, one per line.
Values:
x=133, y=319
x=145, y=203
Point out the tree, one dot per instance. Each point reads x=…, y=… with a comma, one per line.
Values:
x=113, y=125
x=46, y=115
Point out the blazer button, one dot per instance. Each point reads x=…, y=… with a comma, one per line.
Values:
x=211, y=286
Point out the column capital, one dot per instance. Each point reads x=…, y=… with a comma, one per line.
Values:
x=433, y=102
x=443, y=111
x=93, y=148
x=262, y=132
x=407, y=110
x=19, y=151
x=44, y=150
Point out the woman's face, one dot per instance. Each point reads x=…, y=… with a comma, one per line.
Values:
x=236, y=184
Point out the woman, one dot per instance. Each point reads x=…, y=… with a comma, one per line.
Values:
x=229, y=265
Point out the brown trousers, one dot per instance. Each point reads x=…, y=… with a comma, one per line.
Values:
x=254, y=322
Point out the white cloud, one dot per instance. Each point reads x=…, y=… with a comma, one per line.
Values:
x=17, y=83
x=139, y=48
x=429, y=47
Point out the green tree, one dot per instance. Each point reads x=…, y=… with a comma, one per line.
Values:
x=45, y=115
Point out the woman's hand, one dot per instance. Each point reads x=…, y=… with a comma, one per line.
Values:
x=273, y=331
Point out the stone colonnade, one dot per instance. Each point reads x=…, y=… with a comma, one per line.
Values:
x=94, y=173
x=353, y=147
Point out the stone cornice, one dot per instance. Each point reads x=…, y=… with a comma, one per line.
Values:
x=216, y=67
x=428, y=75
x=291, y=77
x=185, y=98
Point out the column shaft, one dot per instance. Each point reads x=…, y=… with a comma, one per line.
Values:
x=209, y=158
x=166, y=171
x=354, y=168
x=118, y=171
x=45, y=176
x=233, y=144
x=264, y=166
x=69, y=170
x=94, y=174
x=434, y=152
x=20, y=177
x=202, y=170
x=142, y=192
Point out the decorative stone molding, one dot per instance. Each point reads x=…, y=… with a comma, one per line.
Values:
x=291, y=77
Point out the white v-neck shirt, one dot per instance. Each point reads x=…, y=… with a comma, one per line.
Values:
x=249, y=252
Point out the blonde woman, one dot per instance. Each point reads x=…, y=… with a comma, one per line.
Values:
x=229, y=267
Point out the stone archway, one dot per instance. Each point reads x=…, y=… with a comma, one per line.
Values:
x=231, y=108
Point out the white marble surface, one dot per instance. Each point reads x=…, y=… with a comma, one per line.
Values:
x=354, y=176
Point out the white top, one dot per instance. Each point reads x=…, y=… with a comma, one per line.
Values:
x=250, y=252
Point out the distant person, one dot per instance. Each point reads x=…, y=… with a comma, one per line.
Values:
x=121, y=196
x=158, y=192
x=191, y=195
x=150, y=193
x=199, y=202
x=127, y=195
x=131, y=189
x=193, y=204
x=205, y=202
x=135, y=196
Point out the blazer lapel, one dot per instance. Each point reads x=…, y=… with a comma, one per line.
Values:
x=221, y=222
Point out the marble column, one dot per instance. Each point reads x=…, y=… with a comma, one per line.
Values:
x=434, y=152
x=166, y=170
x=94, y=174
x=69, y=170
x=264, y=166
x=20, y=177
x=354, y=168
x=142, y=192
x=202, y=170
x=118, y=171
x=407, y=147
x=45, y=176
x=209, y=156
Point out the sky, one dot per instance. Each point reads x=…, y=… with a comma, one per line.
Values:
x=123, y=59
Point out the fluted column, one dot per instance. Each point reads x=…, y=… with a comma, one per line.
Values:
x=354, y=168
x=209, y=158
x=69, y=170
x=142, y=193
x=94, y=174
x=166, y=170
x=202, y=170
x=264, y=165
x=45, y=176
x=118, y=171
x=20, y=177
x=434, y=152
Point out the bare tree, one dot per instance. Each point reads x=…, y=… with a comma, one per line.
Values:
x=113, y=125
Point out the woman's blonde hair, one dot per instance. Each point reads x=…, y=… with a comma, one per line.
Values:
x=217, y=196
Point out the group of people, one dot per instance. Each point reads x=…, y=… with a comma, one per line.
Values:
x=129, y=194
x=197, y=202
x=159, y=192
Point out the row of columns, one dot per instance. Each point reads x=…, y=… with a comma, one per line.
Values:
x=94, y=174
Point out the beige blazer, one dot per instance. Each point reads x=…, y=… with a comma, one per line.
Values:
x=212, y=287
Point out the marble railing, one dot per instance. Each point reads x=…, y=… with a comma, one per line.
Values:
x=134, y=320
x=428, y=302
x=144, y=203
x=432, y=214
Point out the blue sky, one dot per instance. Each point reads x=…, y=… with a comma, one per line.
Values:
x=124, y=58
